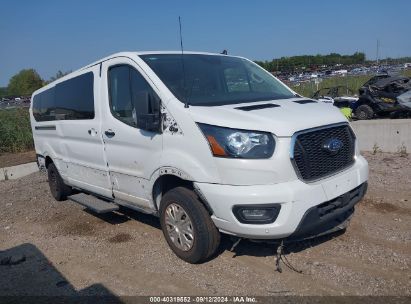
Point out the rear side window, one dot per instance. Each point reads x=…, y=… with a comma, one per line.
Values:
x=43, y=106
x=72, y=99
x=75, y=98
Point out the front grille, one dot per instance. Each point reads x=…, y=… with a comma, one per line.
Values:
x=312, y=161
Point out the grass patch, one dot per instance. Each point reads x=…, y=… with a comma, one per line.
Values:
x=406, y=73
x=15, y=131
x=307, y=89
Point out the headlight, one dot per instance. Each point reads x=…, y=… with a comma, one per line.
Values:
x=235, y=143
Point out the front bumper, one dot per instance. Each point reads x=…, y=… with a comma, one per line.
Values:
x=297, y=200
x=325, y=217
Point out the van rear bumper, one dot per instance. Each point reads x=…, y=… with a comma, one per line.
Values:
x=307, y=209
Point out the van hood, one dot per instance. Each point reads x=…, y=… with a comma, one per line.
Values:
x=281, y=117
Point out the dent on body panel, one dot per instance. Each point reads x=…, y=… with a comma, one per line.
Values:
x=174, y=171
x=166, y=170
x=127, y=183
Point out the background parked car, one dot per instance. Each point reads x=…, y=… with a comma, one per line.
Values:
x=378, y=97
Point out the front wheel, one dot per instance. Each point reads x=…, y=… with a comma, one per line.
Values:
x=187, y=226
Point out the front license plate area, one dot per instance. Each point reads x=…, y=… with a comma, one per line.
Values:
x=338, y=185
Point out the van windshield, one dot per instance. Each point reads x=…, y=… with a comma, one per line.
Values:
x=213, y=80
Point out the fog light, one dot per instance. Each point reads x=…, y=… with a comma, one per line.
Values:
x=256, y=214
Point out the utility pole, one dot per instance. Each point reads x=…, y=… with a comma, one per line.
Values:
x=378, y=52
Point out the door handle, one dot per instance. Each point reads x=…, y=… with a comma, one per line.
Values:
x=92, y=132
x=109, y=133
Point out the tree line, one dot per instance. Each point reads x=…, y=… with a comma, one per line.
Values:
x=295, y=63
x=25, y=82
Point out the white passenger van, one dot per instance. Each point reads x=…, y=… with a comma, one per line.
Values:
x=209, y=143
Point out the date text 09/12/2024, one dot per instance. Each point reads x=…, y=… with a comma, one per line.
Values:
x=203, y=299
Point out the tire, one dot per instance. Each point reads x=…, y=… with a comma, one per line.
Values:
x=202, y=238
x=364, y=112
x=59, y=190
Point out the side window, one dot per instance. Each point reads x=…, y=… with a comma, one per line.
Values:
x=75, y=98
x=36, y=107
x=43, y=106
x=69, y=100
x=128, y=90
x=120, y=94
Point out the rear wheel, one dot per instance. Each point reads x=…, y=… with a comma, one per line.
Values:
x=187, y=226
x=364, y=112
x=58, y=188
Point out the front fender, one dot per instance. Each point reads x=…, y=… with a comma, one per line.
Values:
x=187, y=167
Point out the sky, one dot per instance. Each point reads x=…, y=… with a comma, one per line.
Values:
x=52, y=35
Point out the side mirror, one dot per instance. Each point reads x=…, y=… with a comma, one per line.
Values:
x=149, y=122
x=148, y=112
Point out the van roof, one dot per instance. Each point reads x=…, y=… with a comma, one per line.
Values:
x=120, y=54
x=131, y=54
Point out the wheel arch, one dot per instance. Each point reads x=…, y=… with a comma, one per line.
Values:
x=168, y=178
x=49, y=161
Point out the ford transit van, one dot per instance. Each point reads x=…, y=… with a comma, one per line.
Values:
x=209, y=143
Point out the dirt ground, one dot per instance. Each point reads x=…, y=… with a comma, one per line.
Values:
x=58, y=248
x=14, y=159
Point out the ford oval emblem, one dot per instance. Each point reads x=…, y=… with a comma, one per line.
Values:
x=333, y=145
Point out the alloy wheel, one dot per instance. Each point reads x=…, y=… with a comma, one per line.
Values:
x=179, y=227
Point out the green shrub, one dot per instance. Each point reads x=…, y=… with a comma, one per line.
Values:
x=15, y=131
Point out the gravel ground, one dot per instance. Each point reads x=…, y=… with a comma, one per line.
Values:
x=58, y=248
